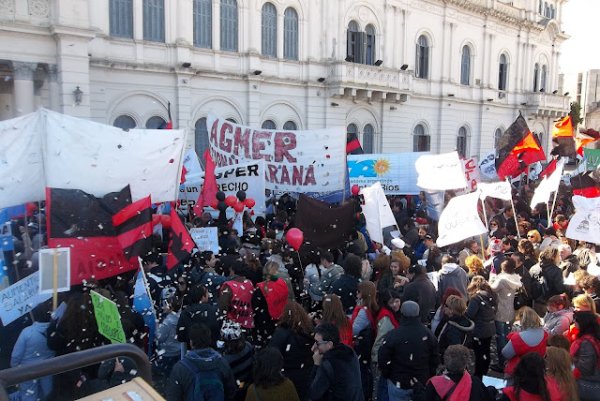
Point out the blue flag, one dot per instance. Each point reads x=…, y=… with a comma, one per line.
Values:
x=142, y=304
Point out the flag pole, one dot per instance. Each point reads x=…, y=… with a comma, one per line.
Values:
x=512, y=204
x=485, y=214
x=553, y=204
x=54, y=280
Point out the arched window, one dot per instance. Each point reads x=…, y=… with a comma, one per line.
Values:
x=497, y=136
x=231, y=120
x=552, y=12
x=124, y=122
x=154, y=20
x=546, y=10
x=201, y=138
x=203, y=23
x=462, y=142
x=422, y=61
x=268, y=124
x=156, y=122
x=352, y=129
x=536, y=76
x=269, y=30
x=421, y=141
x=368, y=144
x=502, y=72
x=354, y=43
x=121, y=18
x=543, y=79
x=290, y=34
x=229, y=25
x=465, y=66
x=290, y=125
x=370, y=45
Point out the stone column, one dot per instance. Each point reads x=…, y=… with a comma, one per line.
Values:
x=280, y=39
x=23, y=87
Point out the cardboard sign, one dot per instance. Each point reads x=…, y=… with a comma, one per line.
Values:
x=20, y=298
x=395, y=171
x=295, y=161
x=206, y=238
x=63, y=265
x=108, y=318
x=471, y=173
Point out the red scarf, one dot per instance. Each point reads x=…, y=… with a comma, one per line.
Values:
x=276, y=294
x=443, y=384
x=385, y=312
x=577, y=344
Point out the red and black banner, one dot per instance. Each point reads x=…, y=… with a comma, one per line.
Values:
x=585, y=185
x=353, y=144
x=518, y=147
x=563, y=141
x=180, y=242
x=83, y=222
x=133, y=225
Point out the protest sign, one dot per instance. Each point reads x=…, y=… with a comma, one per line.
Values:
x=49, y=259
x=395, y=171
x=471, y=172
x=592, y=158
x=248, y=177
x=108, y=318
x=500, y=190
x=20, y=298
x=460, y=220
x=585, y=223
x=487, y=166
x=295, y=161
x=206, y=238
x=377, y=211
x=440, y=172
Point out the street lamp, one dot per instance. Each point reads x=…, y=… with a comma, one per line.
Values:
x=78, y=95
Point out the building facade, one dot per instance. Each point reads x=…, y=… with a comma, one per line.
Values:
x=405, y=75
x=587, y=94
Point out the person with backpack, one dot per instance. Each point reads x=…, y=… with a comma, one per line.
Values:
x=547, y=279
x=203, y=374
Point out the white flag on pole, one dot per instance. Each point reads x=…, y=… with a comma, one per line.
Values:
x=460, y=220
x=548, y=185
x=500, y=190
x=440, y=172
x=585, y=223
x=377, y=211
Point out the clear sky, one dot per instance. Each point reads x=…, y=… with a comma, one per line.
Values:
x=581, y=21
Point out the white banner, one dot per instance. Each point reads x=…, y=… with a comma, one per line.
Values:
x=487, y=166
x=20, y=298
x=395, y=171
x=460, y=220
x=548, y=185
x=585, y=223
x=500, y=190
x=192, y=166
x=295, y=161
x=377, y=211
x=206, y=238
x=248, y=177
x=440, y=172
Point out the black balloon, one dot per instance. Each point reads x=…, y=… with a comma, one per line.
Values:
x=241, y=195
x=222, y=206
x=220, y=196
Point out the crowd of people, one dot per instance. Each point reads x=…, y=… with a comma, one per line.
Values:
x=404, y=320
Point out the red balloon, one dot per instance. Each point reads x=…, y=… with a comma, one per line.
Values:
x=250, y=203
x=231, y=200
x=355, y=189
x=239, y=207
x=294, y=237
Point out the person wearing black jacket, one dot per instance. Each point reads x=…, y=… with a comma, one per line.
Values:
x=456, y=328
x=199, y=311
x=346, y=286
x=422, y=291
x=547, y=279
x=409, y=356
x=336, y=374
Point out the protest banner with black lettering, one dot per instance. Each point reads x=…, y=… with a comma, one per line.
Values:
x=295, y=161
x=206, y=238
x=20, y=298
x=108, y=318
x=460, y=220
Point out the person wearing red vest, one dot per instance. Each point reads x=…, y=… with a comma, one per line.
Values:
x=585, y=353
x=531, y=338
x=531, y=382
x=268, y=301
x=235, y=299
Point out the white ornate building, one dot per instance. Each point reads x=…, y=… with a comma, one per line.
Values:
x=406, y=75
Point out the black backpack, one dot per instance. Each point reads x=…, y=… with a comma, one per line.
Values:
x=207, y=385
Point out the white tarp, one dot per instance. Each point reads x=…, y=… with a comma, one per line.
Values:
x=440, y=172
x=500, y=190
x=585, y=223
x=49, y=149
x=377, y=211
x=295, y=161
x=460, y=220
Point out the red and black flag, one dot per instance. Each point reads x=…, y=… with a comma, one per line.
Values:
x=518, y=147
x=547, y=172
x=353, y=144
x=585, y=185
x=585, y=137
x=133, y=225
x=180, y=242
x=167, y=124
x=83, y=222
x=562, y=138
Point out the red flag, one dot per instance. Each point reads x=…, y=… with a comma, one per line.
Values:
x=585, y=185
x=562, y=138
x=168, y=124
x=353, y=144
x=584, y=137
x=180, y=242
x=547, y=172
x=209, y=188
x=133, y=224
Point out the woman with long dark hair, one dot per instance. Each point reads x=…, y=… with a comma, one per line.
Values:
x=333, y=312
x=293, y=339
x=481, y=309
x=585, y=351
x=269, y=382
x=531, y=382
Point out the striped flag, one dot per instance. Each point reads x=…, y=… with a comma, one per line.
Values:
x=133, y=225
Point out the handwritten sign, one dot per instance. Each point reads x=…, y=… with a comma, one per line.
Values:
x=108, y=318
x=206, y=238
x=20, y=298
x=471, y=173
x=460, y=220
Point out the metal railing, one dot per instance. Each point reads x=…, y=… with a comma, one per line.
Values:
x=76, y=360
